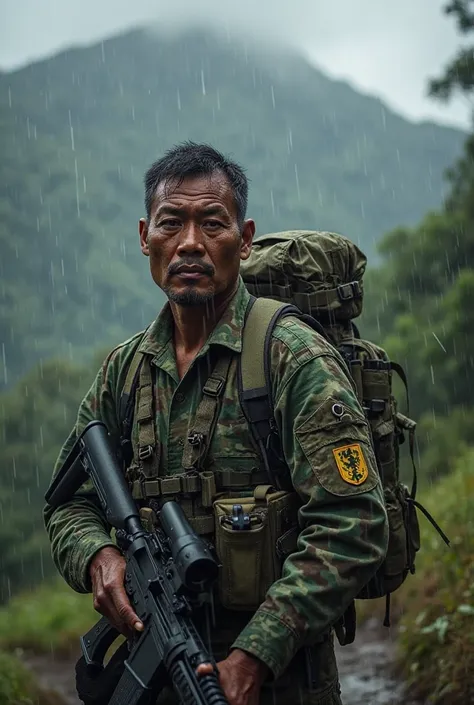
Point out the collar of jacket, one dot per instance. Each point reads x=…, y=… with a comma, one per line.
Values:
x=228, y=331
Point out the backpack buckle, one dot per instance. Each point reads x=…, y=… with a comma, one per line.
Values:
x=348, y=291
x=195, y=439
x=374, y=406
x=145, y=452
x=213, y=386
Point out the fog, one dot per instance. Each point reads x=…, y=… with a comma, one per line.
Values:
x=382, y=48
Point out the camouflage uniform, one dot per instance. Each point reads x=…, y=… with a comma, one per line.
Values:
x=344, y=527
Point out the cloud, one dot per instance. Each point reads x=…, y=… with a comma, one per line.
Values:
x=389, y=49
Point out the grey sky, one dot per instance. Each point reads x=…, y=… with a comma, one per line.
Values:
x=384, y=48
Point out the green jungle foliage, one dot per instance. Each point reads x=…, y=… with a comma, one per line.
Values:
x=18, y=685
x=77, y=132
x=437, y=637
x=49, y=619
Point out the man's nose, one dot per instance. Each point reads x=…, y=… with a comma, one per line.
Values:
x=191, y=240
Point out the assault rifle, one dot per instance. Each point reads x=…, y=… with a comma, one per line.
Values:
x=169, y=572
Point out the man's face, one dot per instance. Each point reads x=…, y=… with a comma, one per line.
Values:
x=193, y=239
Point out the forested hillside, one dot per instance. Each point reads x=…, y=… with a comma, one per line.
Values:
x=78, y=130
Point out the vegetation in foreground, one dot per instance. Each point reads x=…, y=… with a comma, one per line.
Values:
x=48, y=619
x=18, y=685
x=436, y=647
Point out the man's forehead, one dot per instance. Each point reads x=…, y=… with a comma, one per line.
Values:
x=215, y=186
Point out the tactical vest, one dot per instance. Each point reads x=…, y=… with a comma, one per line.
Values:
x=262, y=508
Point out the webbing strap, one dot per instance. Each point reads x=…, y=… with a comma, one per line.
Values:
x=171, y=485
x=148, y=448
x=345, y=627
x=401, y=373
x=255, y=383
x=127, y=406
x=254, y=334
x=309, y=302
x=409, y=425
x=199, y=439
x=430, y=519
x=206, y=483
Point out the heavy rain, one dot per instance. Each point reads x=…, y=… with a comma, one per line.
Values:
x=353, y=124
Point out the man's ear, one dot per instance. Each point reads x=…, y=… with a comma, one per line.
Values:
x=143, y=232
x=248, y=232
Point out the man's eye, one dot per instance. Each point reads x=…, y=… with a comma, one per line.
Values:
x=212, y=224
x=169, y=223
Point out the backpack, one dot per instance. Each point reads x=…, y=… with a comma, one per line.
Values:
x=321, y=274
x=318, y=277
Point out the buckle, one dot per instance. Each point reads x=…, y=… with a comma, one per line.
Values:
x=145, y=452
x=348, y=291
x=195, y=439
x=374, y=406
x=213, y=386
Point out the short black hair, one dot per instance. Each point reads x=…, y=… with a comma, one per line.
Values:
x=190, y=159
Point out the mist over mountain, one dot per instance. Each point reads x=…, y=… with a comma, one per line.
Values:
x=78, y=130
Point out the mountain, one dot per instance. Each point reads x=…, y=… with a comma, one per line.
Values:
x=77, y=132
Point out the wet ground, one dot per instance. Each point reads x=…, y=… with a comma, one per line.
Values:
x=364, y=667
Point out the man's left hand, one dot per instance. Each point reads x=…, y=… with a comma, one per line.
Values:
x=241, y=676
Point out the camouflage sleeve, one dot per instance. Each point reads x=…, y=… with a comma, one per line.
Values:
x=344, y=531
x=78, y=530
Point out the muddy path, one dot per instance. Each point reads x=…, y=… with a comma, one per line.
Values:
x=364, y=668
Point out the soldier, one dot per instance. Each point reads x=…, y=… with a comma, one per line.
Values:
x=195, y=235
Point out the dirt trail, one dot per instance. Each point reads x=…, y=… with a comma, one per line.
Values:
x=364, y=669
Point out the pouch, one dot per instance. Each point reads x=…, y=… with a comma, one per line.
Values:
x=253, y=537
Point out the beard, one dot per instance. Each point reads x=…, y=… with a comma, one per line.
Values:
x=189, y=297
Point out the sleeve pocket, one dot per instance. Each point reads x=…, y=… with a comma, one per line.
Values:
x=337, y=443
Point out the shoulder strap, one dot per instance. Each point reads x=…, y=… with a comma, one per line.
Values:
x=255, y=398
x=127, y=406
x=254, y=381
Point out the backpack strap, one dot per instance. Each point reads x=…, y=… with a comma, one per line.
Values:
x=254, y=380
x=127, y=402
x=254, y=385
x=127, y=407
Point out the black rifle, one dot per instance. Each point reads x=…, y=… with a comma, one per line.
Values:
x=168, y=573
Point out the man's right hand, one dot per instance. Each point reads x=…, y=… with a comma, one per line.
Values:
x=107, y=570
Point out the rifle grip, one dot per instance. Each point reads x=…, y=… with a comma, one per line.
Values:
x=97, y=641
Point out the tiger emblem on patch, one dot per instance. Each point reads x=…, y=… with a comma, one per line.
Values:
x=351, y=464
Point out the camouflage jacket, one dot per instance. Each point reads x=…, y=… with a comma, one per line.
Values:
x=344, y=526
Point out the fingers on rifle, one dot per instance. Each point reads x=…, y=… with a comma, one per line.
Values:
x=204, y=669
x=124, y=608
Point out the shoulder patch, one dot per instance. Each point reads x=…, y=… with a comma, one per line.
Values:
x=351, y=463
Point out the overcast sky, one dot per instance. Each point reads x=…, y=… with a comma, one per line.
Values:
x=382, y=47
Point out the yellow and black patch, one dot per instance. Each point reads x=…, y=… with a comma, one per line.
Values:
x=351, y=464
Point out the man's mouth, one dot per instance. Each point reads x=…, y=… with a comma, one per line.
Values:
x=191, y=272
x=185, y=274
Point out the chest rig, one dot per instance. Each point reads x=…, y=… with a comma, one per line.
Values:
x=250, y=515
x=197, y=487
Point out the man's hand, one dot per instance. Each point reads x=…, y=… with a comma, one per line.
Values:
x=107, y=570
x=241, y=676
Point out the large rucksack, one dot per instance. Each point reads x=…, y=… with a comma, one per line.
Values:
x=321, y=273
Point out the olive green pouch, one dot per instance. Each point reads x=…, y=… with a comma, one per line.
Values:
x=253, y=537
